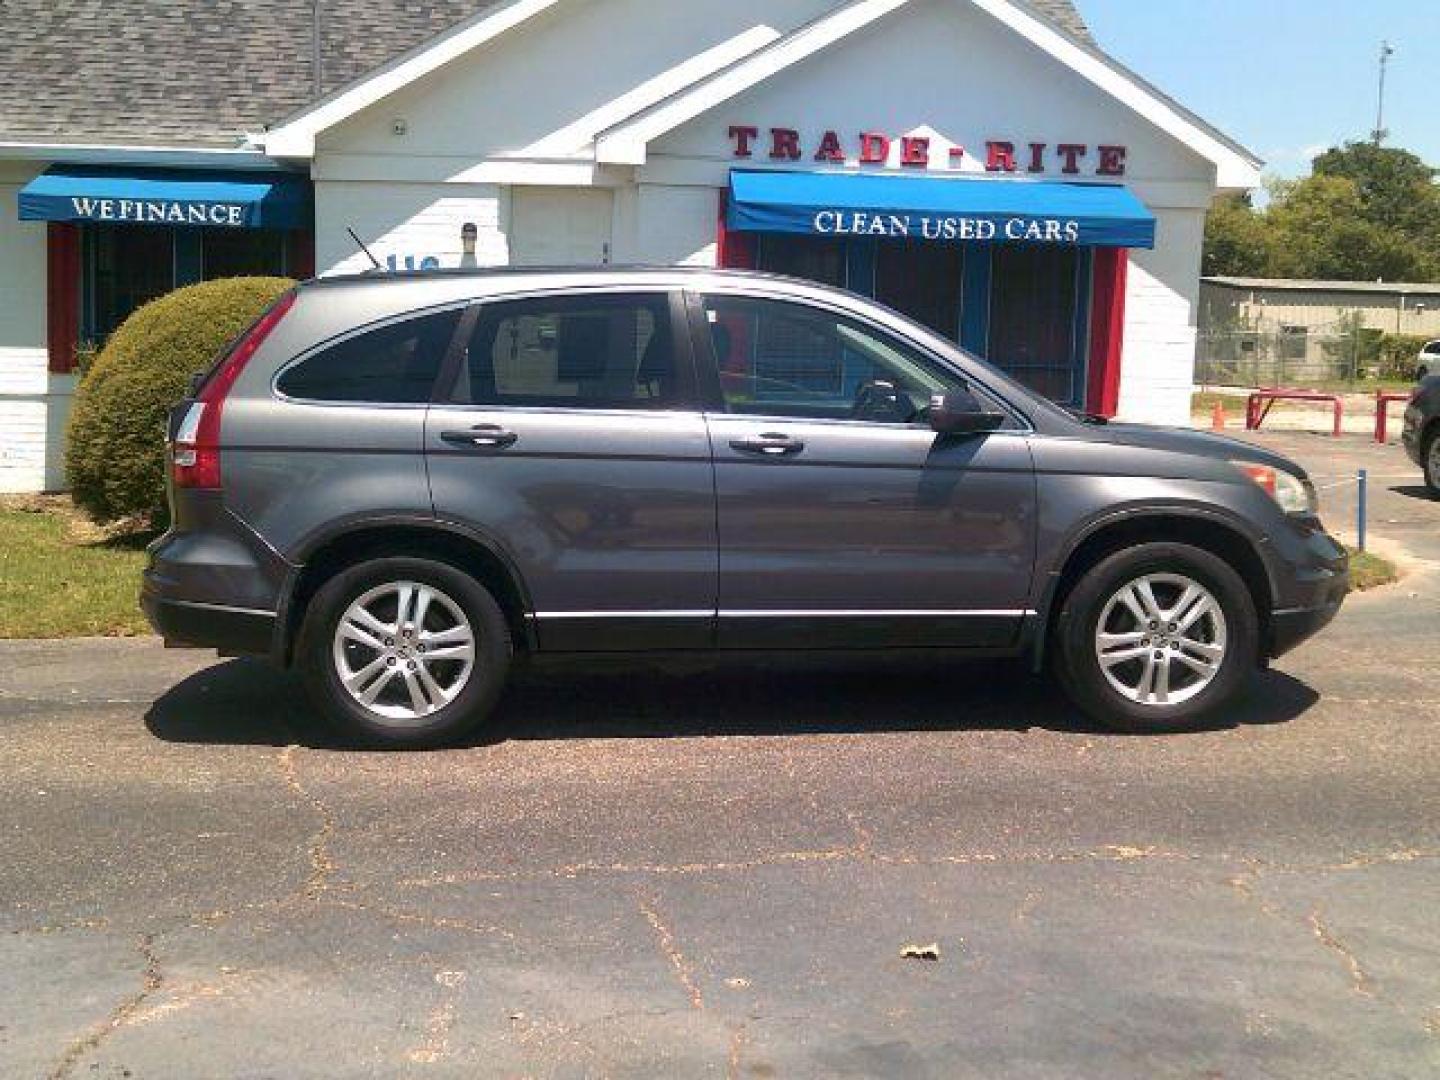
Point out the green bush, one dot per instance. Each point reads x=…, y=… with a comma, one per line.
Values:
x=115, y=458
x=1400, y=355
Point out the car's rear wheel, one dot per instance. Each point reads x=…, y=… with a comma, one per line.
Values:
x=1157, y=638
x=404, y=652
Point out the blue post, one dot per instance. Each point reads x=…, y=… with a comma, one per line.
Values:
x=1364, y=498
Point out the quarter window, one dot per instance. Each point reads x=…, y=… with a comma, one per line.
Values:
x=790, y=360
x=392, y=365
x=604, y=352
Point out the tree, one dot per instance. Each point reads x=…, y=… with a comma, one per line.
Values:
x=1237, y=239
x=1367, y=213
x=1397, y=189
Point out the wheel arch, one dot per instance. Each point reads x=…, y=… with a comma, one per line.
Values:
x=1207, y=531
x=358, y=541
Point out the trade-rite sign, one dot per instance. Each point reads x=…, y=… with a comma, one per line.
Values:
x=920, y=152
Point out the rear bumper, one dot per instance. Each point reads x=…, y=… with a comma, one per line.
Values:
x=208, y=626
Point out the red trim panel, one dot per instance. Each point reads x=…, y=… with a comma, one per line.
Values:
x=733, y=250
x=1107, y=331
x=62, y=295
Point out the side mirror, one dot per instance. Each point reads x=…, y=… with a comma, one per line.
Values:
x=959, y=412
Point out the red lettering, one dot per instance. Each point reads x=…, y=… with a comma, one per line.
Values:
x=742, y=137
x=785, y=145
x=874, y=148
x=1037, y=157
x=1072, y=153
x=1001, y=157
x=915, y=151
x=1112, y=160
x=830, y=149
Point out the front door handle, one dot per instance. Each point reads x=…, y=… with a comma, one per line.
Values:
x=484, y=437
x=771, y=444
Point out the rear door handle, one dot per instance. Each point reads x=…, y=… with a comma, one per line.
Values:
x=771, y=444
x=484, y=437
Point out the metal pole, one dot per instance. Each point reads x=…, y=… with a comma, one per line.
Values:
x=1364, y=499
x=1386, y=51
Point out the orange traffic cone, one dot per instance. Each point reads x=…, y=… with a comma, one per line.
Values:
x=1217, y=418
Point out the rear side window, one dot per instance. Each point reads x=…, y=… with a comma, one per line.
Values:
x=604, y=352
x=391, y=365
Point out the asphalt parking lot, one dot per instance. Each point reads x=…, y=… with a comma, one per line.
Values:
x=714, y=872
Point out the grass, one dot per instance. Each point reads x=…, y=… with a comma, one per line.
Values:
x=63, y=576
x=1370, y=571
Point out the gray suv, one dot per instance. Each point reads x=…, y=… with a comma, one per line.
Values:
x=402, y=484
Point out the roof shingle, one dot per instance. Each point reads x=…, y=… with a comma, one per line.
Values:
x=205, y=73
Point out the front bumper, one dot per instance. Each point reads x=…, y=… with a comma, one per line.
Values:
x=1291, y=629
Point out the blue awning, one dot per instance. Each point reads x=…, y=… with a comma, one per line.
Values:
x=225, y=200
x=956, y=210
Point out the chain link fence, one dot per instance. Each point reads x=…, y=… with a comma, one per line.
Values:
x=1315, y=359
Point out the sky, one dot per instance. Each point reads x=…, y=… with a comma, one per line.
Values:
x=1287, y=78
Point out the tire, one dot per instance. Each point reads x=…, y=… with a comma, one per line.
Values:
x=1430, y=455
x=345, y=634
x=1223, y=639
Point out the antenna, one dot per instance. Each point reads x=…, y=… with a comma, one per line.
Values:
x=368, y=253
x=1386, y=52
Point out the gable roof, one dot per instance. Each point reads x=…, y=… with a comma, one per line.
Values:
x=627, y=142
x=196, y=74
x=191, y=73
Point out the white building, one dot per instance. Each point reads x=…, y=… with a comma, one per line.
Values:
x=1018, y=189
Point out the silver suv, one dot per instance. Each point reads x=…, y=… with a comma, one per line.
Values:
x=402, y=484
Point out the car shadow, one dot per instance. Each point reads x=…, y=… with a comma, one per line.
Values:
x=245, y=702
x=1415, y=491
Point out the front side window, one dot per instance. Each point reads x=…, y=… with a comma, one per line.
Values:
x=791, y=360
x=391, y=365
x=602, y=352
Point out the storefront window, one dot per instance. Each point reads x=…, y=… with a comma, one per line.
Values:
x=1033, y=303
x=124, y=268
x=814, y=258
x=241, y=253
x=925, y=280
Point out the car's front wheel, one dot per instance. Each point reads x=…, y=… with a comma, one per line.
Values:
x=404, y=652
x=1431, y=457
x=1157, y=638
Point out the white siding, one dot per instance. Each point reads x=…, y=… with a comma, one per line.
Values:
x=1157, y=375
x=409, y=223
x=31, y=415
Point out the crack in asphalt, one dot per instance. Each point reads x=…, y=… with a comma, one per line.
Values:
x=737, y=1050
x=151, y=980
x=322, y=866
x=420, y=918
x=1359, y=981
x=436, y=1044
x=860, y=852
x=671, y=952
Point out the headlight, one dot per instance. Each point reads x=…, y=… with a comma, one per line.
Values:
x=1294, y=495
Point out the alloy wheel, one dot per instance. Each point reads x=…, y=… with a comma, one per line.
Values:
x=404, y=651
x=1161, y=639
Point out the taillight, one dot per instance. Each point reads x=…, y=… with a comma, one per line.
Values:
x=195, y=455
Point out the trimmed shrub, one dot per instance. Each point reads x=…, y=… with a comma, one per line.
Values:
x=115, y=456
